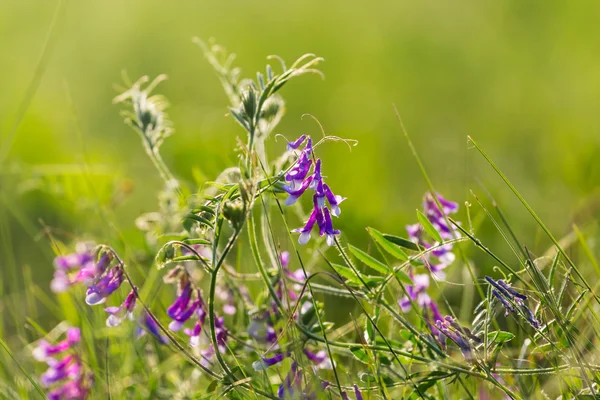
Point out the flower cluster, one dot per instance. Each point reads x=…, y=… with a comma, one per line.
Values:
x=441, y=255
x=299, y=180
x=190, y=309
x=65, y=376
x=435, y=261
x=100, y=279
x=511, y=300
x=460, y=335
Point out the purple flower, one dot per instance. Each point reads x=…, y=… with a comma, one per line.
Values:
x=357, y=393
x=296, y=143
x=221, y=333
x=315, y=216
x=459, y=335
x=507, y=296
x=226, y=294
x=73, y=390
x=329, y=231
x=194, y=334
x=416, y=293
x=296, y=191
x=148, y=324
x=73, y=261
x=45, y=350
x=66, y=376
x=333, y=200
x=181, y=310
x=292, y=383
x=266, y=362
x=117, y=314
x=302, y=167
x=97, y=294
x=320, y=359
x=68, y=367
x=77, y=267
x=299, y=183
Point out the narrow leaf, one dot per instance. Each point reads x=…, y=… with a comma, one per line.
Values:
x=407, y=244
x=368, y=260
x=431, y=231
x=388, y=246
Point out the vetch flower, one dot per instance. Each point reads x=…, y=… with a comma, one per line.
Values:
x=97, y=294
x=296, y=143
x=295, y=192
x=117, y=314
x=181, y=310
x=511, y=299
x=416, y=293
x=291, y=386
x=302, y=167
x=266, y=362
x=77, y=267
x=320, y=359
x=45, y=350
x=305, y=231
x=323, y=195
x=459, y=335
x=66, y=376
x=68, y=367
x=330, y=233
x=357, y=393
x=194, y=334
x=148, y=324
x=440, y=255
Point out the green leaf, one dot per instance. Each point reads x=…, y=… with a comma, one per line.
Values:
x=360, y=354
x=198, y=218
x=500, y=336
x=407, y=244
x=368, y=260
x=347, y=273
x=388, y=246
x=403, y=277
x=354, y=279
x=431, y=231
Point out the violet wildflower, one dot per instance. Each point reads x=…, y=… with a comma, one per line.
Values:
x=315, y=216
x=97, y=293
x=148, y=324
x=266, y=362
x=45, y=350
x=302, y=167
x=77, y=267
x=117, y=314
x=226, y=294
x=357, y=393
x=330, y=233
x=291, y=386
x=438, y=216
x=66, y=376
x=416, y=293
x=221, y=334
x=510, y=298
x=320, y=359
x=300, y=182
x=459, y=335
x=441, y=255
x=181, y=310
x=194, y=334
x=296, y=143
x=295, y=192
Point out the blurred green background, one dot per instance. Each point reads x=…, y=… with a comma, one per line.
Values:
x=521, y=77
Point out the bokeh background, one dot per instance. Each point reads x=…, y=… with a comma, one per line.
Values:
x=521, y=78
